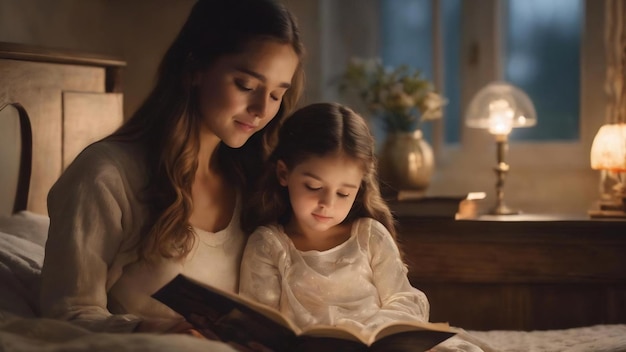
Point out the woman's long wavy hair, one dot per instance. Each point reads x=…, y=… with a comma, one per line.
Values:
x=167, y=123
x=319, y=130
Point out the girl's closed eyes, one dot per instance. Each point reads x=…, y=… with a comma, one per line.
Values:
x=314, y=189
x=311, y=188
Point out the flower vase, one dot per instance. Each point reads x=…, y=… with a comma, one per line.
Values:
x=406, y=162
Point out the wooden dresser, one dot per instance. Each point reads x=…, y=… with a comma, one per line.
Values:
x=72, y=99
x=518, y=272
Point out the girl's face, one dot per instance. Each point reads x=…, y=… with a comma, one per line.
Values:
x=239, y=94
x=322, y=190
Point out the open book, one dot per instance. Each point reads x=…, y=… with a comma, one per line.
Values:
x=234, y=318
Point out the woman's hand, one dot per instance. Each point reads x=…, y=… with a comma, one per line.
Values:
x=184, y=327
x=167, y=327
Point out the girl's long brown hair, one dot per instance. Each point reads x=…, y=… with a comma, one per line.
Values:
x=318, y=130
x=167, y=123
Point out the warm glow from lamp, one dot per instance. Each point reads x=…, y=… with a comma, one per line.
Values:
x=499, y=107
x=608, y=151
x=608, y=154
x=500, y=117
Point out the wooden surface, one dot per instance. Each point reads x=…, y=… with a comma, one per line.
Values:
x=36, y=78
x=23, y=52
x=81, y=113
x=16, y=155
x=540, y=273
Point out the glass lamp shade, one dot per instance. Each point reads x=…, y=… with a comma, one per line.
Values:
x=499, y=107
x=608, y=151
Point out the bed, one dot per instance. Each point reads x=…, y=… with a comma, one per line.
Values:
x=23, y=232
x=22, y=237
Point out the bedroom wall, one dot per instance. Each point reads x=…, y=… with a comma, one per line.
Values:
x=136, y=31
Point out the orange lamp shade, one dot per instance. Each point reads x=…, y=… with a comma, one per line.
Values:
x=608, y=151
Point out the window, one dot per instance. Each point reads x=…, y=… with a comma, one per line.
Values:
x=541, y=55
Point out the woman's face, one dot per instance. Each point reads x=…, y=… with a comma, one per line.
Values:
x=239, y=94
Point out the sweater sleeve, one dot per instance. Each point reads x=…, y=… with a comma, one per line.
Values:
x=85, y=206
x=260, y=275
x=399, y=300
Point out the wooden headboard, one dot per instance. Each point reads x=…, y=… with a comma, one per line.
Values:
x=16, y=150
x=73, y=99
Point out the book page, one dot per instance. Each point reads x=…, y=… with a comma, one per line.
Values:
x=336, y=332
x=391, y=328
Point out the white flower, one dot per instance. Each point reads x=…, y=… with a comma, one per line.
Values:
x=432, y=106
x=370, y=65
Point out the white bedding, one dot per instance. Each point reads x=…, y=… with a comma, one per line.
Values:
x=22, y=239
x=599, y=338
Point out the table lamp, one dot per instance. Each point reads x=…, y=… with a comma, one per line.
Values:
x=608, y=154
x=499, y=107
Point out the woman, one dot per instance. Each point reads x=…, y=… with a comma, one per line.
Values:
x=161, y=196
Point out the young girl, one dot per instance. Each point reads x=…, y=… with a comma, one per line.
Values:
x=327, y=253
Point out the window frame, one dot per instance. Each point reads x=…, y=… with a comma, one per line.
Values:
x=535, y=165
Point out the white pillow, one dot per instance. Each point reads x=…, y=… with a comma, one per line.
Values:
x=27, y=225
x=22, y=239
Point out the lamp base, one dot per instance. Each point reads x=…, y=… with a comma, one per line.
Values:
x=609, y=209
x=604, y=214
x=502, y=209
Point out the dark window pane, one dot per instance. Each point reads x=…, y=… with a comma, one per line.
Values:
x=407, y=33
x=542, y=57
x=407, y=38
x=451, y=23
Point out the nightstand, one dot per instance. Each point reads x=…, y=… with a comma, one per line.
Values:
x=521, y=272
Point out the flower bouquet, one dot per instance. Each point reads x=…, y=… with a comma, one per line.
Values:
x=399, y=96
